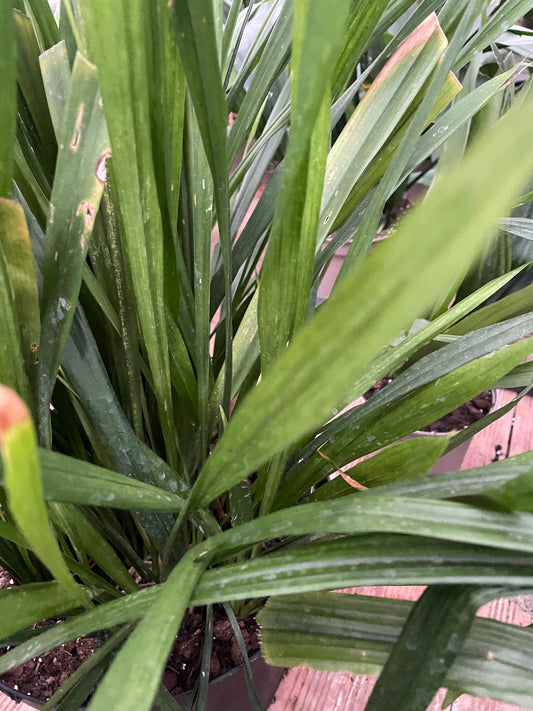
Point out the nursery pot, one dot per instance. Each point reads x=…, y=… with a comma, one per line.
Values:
x=227, y=691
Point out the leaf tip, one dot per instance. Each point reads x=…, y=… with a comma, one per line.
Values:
x=419, y=37
x=13, y=411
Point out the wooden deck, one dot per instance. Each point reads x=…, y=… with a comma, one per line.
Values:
x=305, y=690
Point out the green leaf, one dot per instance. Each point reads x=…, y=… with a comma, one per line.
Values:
x=133, y=678
x=106, y=616
x=393, y=174
x=111, y=287
x=43, y=22
x=37, y=126
x=519, y=377
x=10, y=533
x=519, y=226
x=200, y=188
x=22, y=478
x=385, y=420
x=406, y=460
x=312, y=376
x=120, y=46
x=464, y=107
x=22, y=606
x=367, y=559
x=387, y=361
x=69, y=480
x=76, y=194
x=16, y=248
x=378, y=115
x=361, y=25
x=255, y=704
x=373, y=511
x=86, y=373
x=11, y=358
x=355, y=633
x=55, y=68
x=84, y=536
x=357, y=560
x=288, y=267
x=495, y=478
x=427, y=373
x=429, y=643
x=516, y=494
x=8, y=91
x=500, y=20
x=287, y=271
x=77, y=687
x=195, y=33
x=379, y=164
x=274, y=52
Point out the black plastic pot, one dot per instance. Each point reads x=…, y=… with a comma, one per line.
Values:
x=228, y=691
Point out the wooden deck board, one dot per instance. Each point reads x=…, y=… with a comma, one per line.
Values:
x=303, y=689
x=7, y=705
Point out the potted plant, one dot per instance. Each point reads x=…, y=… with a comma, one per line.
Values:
x=169, y=389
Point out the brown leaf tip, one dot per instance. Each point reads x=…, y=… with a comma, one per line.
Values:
x=13, y=411
x=413, y=43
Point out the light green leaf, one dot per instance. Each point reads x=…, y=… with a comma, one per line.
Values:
x=22, y=478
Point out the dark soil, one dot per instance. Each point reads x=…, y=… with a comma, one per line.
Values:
x=458, y=419
x=464, y=415
x=41, y=677
x=183, y=665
